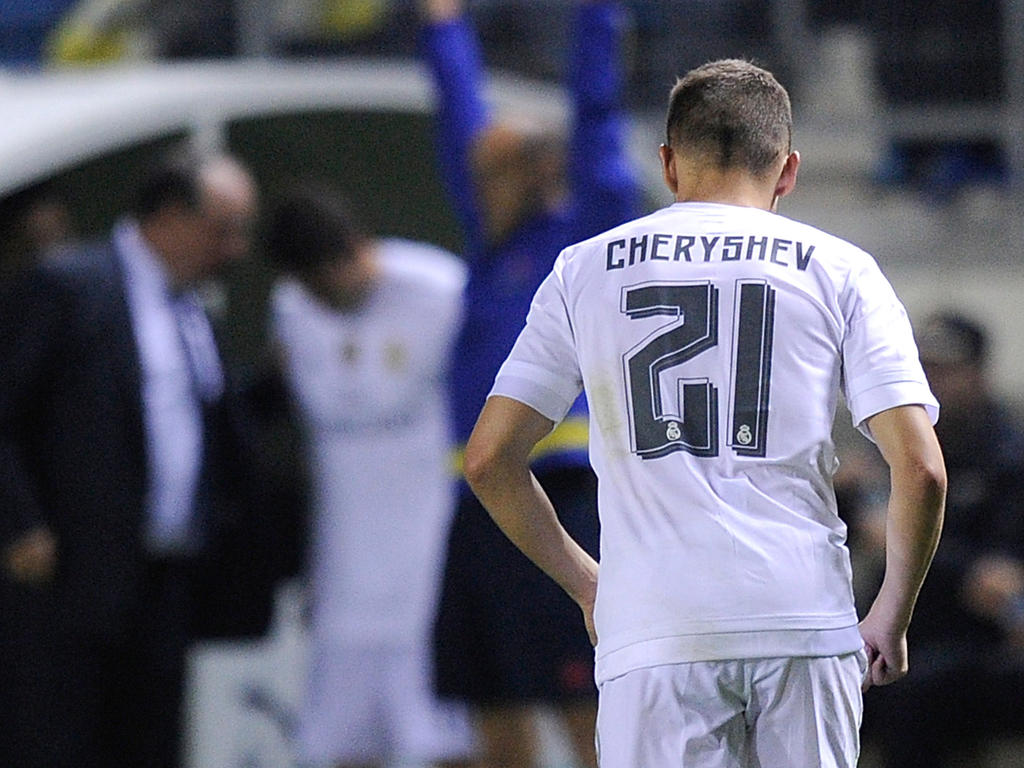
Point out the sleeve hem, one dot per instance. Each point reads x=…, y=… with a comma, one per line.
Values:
x=546, y=401
x=882, y=397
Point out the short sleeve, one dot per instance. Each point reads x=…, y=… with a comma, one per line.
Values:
x=881, y=367
x=542, y=370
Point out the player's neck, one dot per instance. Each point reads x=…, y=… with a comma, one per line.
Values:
x=732, y=187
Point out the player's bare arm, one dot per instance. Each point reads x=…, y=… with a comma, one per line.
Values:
x=913, y=524
x=498, y=470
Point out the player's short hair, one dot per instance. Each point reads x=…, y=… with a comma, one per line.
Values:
x=311, y=225
x=733, y=112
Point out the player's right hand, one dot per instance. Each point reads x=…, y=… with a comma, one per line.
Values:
x=588, y=619
x=32, y=558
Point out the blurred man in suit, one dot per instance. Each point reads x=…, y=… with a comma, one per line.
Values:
x=122, y=474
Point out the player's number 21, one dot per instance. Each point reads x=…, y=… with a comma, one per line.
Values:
x=690, y=421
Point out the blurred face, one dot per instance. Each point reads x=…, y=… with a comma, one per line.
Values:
x=516, y=174
x=959, y=387
x=347, y=281
x=47, y=224
x=226, y=217
x=199, y=244
x=227, y=220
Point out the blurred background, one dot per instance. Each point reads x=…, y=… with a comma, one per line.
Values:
x=909, y=116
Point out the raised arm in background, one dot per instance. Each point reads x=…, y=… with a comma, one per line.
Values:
x=500, y=172
x=450, y=49
x=603, y=185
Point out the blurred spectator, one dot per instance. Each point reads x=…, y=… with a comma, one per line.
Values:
x=130, y=516
x=366, y=328
x=35, y=224
x=967, y=664
x=507, y=637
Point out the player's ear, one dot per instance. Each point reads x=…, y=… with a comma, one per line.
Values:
x=787, y=179
x=668, y=168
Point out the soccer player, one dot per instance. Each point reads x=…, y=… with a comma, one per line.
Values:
x=507, y=638
x=366, y=326
x=713, y=338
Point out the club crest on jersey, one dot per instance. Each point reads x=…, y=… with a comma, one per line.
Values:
x=673, y=432
x=743, y=435
x=395, y=356
x=349, y=352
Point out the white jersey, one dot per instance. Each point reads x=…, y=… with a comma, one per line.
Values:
x=371, y=389
x=713, y=342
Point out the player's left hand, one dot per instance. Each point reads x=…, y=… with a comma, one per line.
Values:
x=887, y=652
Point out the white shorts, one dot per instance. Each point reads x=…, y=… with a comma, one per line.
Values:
x=368, y=704
x=756, y=713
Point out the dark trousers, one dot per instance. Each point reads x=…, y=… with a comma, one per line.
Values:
x=506, y=633
x=103, y=699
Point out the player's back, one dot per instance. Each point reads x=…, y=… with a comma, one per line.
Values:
x=712, y=342
x=710, y=331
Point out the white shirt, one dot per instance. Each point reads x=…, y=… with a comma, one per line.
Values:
x=171, y=409
x=370, y=385
x=713, y=342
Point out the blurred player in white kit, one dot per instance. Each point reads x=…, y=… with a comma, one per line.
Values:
x=365, y=326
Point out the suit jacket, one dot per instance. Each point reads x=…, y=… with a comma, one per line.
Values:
x=73, y=456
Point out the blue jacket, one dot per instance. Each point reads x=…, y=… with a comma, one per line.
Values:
x=602, y=194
